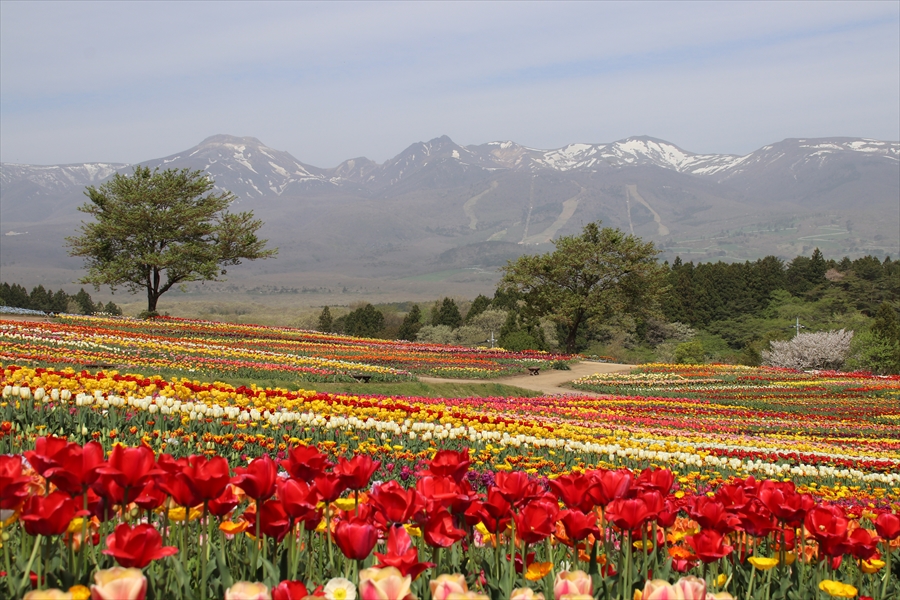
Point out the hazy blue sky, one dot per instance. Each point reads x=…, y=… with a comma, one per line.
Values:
x=130, y=81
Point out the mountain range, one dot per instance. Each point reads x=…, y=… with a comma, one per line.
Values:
x=440, y=218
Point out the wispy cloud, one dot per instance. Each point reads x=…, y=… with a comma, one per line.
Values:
x=132, y=81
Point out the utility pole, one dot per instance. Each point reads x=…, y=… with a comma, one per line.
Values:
x=798, y=327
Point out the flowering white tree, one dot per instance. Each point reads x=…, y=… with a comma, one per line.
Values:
x=821, y=350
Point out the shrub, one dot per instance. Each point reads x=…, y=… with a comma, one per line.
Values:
x=820, y=350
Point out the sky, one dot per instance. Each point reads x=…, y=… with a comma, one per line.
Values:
x=132, y=81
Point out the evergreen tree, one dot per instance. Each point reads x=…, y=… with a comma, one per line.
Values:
x=59, y=302
x=411, y=325
x=479, y=305
x=112, y=309
x=40, y=299
x=326, y=323
x=448, y=314
x=84, y=301
x=16, y=295
x=364, y=322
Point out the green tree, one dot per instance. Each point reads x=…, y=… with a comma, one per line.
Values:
x=84, y=302
x=411, y=324
x=479, y=305
x=157, y=229
x=326, y=322
x=364, y=322
x=591, y=277
x=448, y=314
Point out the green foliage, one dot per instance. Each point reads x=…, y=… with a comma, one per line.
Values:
x=519, y=340
x=689, y=353
x=588, y=278
x=411, y=324
x=326, y=323
x=447, y=313
x=479, y=305
x=157, y=229
x=53, y=302
x=363, y=322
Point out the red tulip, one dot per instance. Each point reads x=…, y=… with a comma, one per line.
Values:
x=357, y=471
x=709, y=545
x=782, y=499
x=44, y=455
x=450, y=463
x=862, y=544
x=273, y=520
x=76, y=467
x=289, y=590
x=516, y=487
x=756, y=519
x=258, y=478
x=611, y=485
x=401, y=554
x=660, y=480
x=13, y=485
x=179, y=486
x=439, y=530
x=711, y=514
x=574, y=491
x=444, y=492
x=224, y=504
x=136, y=546
x=130, y=467
x=536, y=521
x=305, y=462
x=629, y=514
x=395, y=503
x=579, y=525
x=330, y=486
x=356, y=538
x=668, y=514
x=48, y=515
x=299, y=499
x=888, y=526
x=495, y=512
x=827, y=523
x=152, y=497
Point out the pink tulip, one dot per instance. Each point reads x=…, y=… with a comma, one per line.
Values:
x=383, y=584
x=525, y=594
x=691, y=587
x=247, y=590
x=119, y=583
x=572, y=582
x=447, y=584
x=51, y=594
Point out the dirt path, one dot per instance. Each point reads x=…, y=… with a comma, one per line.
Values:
x=549, y=381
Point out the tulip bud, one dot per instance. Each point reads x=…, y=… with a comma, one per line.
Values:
x=525, y=594
x=7, y=392
x=25, y=393
x=387, y=582
x=245, y=590
x=54, y=395
x=572, y=582
x=119, y=584
x=51, y=594
x=447, y=584
x=39, y=394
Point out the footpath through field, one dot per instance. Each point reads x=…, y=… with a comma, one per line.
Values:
x=548, y=381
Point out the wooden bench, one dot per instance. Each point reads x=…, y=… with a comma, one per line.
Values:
x=361, y=377
x=534, y=370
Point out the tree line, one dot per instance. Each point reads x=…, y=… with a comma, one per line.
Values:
x=604, y=293
x=48, y=301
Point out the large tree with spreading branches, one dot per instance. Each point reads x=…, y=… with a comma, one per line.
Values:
x=598, y=275
x=153, y=230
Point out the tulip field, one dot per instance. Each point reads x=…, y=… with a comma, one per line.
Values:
x=129, y=469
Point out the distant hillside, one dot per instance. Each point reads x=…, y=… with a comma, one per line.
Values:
x=449, y=215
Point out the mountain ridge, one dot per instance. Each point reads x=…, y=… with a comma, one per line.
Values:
x=437, y=204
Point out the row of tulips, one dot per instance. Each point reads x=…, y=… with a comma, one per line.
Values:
x=195, y=526
x=402, y=431
x=207, y=347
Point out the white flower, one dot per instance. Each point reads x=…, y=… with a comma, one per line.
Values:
x=340, y=589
